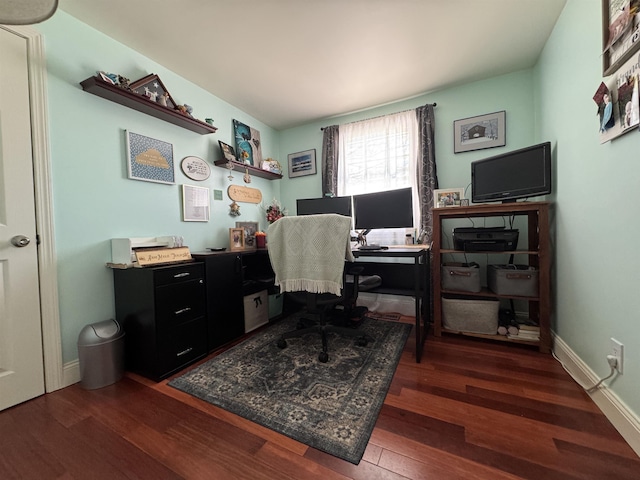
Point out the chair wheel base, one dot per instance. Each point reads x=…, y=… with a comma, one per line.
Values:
x=282, y=343
x=323, y=357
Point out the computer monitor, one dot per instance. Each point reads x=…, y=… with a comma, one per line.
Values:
x=390, y=209
x=317, y=206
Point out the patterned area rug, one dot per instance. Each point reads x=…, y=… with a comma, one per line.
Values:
x=330, y=406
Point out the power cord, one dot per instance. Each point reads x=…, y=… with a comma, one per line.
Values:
x=611, y=360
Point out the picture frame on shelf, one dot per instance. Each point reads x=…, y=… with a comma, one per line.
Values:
x=248, y=145
x=250, y=229
x=228, y=152
x=195, y=204
x=149, y=159
x=620, y=32
x=447, y=197
x=152, y=87
x=302, y=163
x=236, y=239
x=480, y=132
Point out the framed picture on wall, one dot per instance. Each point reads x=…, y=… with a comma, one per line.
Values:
x=302, y=163
x=477, y=133
x=195, y=203
x=620, y=33
x=149, y=159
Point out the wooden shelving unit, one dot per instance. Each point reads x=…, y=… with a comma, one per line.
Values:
x=240, y=167
x=99, y=87
x=537, y=252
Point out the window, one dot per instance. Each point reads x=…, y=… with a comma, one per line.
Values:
x=377, y=155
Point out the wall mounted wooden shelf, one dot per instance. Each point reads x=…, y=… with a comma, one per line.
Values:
x=239, y=167
x=103, y=89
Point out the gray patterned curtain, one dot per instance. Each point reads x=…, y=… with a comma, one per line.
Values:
x=427, y=174
x=330, y=160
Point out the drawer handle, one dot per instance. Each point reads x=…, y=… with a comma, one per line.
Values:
x=183, y=310
x=184, y=352
x=180, y=275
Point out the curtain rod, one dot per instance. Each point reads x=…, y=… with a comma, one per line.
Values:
x=379, y=116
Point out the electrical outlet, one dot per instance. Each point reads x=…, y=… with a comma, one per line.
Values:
x=617, y=350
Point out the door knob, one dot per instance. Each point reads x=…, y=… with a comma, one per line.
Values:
x=20, y=241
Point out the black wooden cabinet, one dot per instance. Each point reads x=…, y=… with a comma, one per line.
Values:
x=229, y=277
x=163, y=311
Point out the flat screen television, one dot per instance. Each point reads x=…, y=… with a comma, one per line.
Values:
x=390, y=209
x=318, y=206
x=507, y=177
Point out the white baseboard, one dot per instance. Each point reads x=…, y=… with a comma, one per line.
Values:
x=70, y=373
x=622, y=418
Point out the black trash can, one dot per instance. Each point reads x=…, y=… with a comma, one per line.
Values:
x=101, y=354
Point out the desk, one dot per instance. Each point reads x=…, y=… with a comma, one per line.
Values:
x=412, y=279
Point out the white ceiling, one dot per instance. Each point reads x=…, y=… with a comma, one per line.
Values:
x=288, y=62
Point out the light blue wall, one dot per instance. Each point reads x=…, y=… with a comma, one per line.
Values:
x=596, y=269
x=597, y=272
x=94, y=200
x=512, y=93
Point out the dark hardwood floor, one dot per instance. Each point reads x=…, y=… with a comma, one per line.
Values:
x=470, y=410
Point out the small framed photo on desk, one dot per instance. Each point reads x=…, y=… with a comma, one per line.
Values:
x=236, y=239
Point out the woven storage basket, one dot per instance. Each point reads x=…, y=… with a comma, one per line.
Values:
x=470, y=315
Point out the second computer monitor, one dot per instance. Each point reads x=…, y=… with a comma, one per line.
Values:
x=390, y=209
x=317, y=206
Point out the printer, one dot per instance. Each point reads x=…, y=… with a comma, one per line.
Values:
x=485, y=239
x=123, y=250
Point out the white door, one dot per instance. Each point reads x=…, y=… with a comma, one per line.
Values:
x=21, y=360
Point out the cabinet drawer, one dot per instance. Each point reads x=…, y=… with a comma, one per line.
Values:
x=179, y=303
x=181, y=345
x=178, y=273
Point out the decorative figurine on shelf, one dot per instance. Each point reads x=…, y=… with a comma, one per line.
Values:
x=209, y=121
x=151, y=95
x=185, y=109
x=235, y=209
x=124, y=83
x=162, y=99
x=111, y=78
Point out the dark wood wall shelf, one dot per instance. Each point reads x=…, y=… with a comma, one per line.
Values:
x=258, y=172
x=103, y=89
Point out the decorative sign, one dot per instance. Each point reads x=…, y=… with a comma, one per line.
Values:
x=244, y=194
x=149, y=159
x=164, y=255
x=195, y=168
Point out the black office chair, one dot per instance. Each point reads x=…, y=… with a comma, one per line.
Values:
x=308, y=255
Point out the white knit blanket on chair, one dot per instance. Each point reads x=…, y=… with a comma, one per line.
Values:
x=308, y=252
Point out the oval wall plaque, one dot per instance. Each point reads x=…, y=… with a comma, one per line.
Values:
x=244, y=194
x=195, y=168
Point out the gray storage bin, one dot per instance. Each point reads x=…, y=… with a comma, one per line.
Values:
x=470, y=315
x=460, y=276
x=517, y=280
x=101, y=354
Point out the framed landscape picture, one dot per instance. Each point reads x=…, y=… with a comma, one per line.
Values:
x=302, y=163
x=477, y=133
